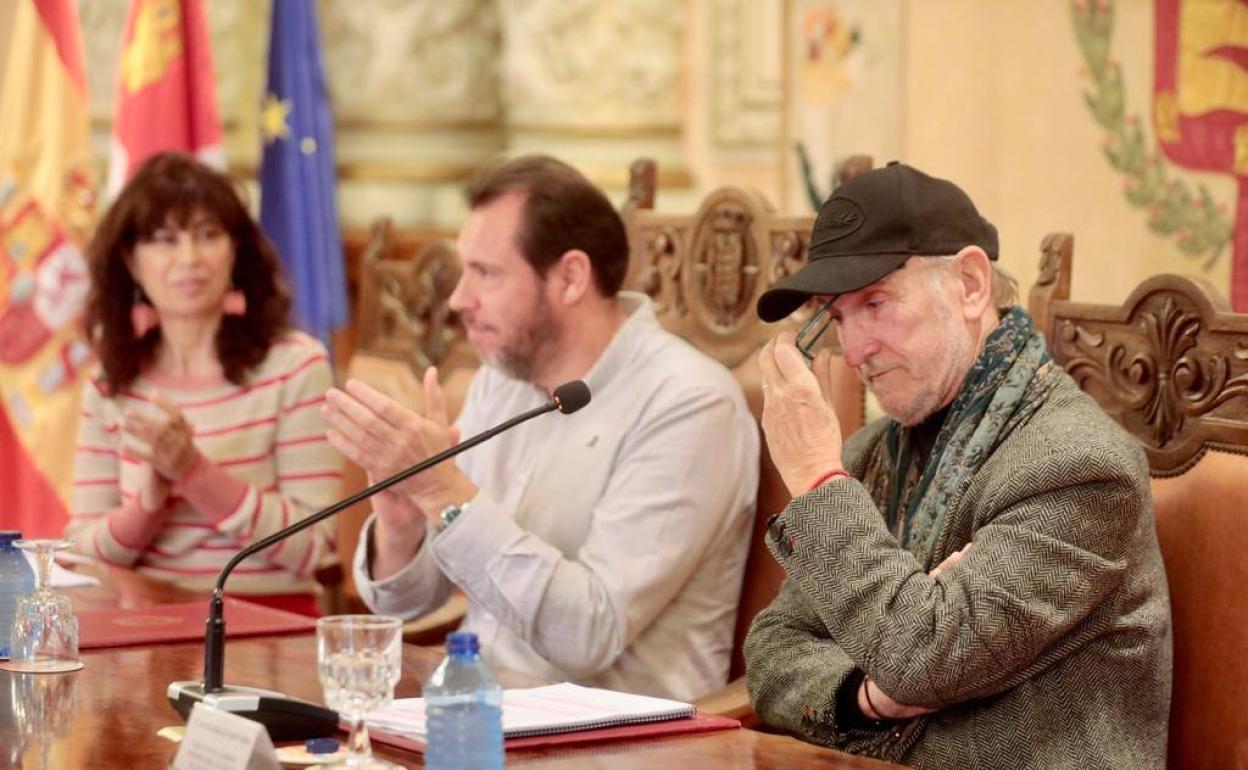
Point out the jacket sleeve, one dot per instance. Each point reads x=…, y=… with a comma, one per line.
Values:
x=794, y=674
x=1048, y=547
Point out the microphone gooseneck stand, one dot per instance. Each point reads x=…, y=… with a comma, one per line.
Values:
x=289, y=718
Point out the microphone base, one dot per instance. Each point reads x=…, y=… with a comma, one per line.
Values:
x=286, y=718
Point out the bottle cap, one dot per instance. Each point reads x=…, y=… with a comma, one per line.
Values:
x=462, y=643
x=321, y=745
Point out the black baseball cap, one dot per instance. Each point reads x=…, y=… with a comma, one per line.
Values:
x=871, y=225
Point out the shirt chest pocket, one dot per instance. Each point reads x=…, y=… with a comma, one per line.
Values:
x=565, y=487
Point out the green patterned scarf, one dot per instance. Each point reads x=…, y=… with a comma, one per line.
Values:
x=1009, y=379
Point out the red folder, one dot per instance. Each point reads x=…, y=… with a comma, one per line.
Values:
x=698, y=723
x=182, y=623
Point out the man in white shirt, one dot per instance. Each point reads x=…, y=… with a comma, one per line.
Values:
x=607, y=547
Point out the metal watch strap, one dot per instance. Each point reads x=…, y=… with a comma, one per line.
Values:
x=450, y=513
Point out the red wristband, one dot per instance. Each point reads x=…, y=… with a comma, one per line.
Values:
x=832, y=474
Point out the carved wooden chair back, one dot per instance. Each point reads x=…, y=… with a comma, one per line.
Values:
x=705, y=272
x=1171, y=366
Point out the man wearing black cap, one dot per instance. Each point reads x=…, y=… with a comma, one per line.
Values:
x=973, y=581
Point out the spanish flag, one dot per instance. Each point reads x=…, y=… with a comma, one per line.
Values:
x=47, y=194
x=166, y=94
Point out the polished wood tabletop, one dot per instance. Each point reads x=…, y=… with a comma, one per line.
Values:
x=107, y=715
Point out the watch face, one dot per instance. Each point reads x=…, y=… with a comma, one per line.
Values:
x=450, y=513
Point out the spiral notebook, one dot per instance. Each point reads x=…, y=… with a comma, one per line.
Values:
x=552, y=710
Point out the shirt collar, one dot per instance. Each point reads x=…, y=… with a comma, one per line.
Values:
x=619, y=356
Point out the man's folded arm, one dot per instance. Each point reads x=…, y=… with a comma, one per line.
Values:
x=1041, y=566
x=798, y=679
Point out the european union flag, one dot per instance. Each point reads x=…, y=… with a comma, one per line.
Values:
x=298, y=210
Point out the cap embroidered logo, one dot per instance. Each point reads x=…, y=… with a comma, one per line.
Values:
x=839, y=218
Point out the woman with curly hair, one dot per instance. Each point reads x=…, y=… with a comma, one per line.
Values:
x=202, y=431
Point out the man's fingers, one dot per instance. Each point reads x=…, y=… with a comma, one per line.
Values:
x=356, y=422
x=767, y=364
x=790, y=363
x=381, y=405
x=822, y=367
x=435, y=401
x=348, y=448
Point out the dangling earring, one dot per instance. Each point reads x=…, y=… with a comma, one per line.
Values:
x=235, y=303
x=143, y=317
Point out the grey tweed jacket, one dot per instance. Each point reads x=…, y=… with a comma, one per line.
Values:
x=1047, y=646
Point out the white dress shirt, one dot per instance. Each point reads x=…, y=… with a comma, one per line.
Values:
x=607, y=546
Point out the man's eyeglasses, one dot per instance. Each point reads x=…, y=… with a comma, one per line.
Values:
x=810, y=333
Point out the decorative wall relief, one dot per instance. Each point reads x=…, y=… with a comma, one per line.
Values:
x=746, y=72
x=589, y=63
x=402, y=62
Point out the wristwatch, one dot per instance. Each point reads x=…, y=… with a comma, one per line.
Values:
x=449, y=514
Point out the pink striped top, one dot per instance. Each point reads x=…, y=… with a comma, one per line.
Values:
x=267, y=465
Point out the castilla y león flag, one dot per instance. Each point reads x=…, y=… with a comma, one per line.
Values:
x=47, y=194
x=166, y=95
x=1200, y=102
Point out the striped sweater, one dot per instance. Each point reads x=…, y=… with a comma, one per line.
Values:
x=266, y=464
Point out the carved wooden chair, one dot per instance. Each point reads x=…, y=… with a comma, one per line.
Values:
x=705, y=272
x=1171, y=366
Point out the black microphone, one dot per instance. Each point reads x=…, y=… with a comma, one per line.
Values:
x=286, y=718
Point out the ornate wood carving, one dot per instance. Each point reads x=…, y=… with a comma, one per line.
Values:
x=643, y=176
x=1170, y=364
x=403, y=302
x=706, y=271
x=554, y=70
x=851, y=166
x=1053, y=282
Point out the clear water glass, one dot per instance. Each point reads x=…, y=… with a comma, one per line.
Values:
x=45, y=630
x=359, y=658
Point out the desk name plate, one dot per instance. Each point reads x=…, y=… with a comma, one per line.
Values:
x=219, y=740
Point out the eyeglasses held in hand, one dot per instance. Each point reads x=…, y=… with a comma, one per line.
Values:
x=810, y=333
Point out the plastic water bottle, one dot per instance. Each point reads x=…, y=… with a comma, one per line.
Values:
x=464, y=708
x=17, y=579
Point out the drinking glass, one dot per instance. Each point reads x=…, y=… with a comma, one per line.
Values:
x=45, y=630
x=44, y=708
x=359, y=661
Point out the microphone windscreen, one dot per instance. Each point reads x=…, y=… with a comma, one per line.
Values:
x=571, y=396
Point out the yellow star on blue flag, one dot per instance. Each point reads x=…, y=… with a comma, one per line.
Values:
x=273, y=118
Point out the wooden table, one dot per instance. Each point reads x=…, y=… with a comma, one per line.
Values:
x=107, y=715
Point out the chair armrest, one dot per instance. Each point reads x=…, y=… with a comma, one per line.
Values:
x=432, y=628
x=731, y=701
